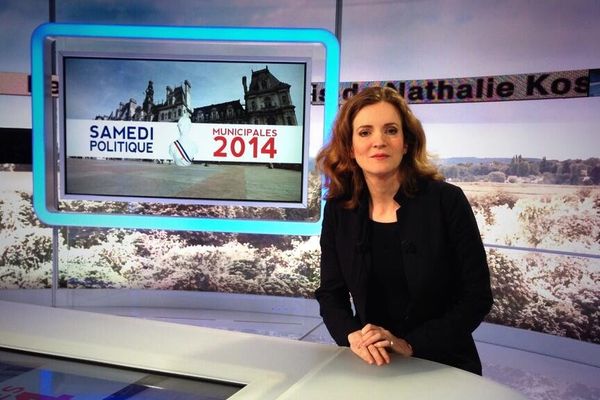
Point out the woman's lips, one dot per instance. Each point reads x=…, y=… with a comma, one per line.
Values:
x=379, y=156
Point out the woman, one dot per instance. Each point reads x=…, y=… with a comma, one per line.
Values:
x=398, y=241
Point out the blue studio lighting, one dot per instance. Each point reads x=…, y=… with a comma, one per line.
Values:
x=129, y=221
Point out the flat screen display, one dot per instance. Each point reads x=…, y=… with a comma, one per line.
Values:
x=192, y=131
x=29, y=376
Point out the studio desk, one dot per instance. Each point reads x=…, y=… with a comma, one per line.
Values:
x=256, y=367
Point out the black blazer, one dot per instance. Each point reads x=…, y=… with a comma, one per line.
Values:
x=445, y=266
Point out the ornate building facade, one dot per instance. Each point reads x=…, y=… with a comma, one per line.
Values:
x=267, y=102
x=231, y=112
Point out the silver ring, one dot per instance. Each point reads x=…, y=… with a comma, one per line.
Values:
x=391, y=343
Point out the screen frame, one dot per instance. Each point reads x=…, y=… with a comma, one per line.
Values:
x=44, y=179
x=54, y=363
x=63, y=56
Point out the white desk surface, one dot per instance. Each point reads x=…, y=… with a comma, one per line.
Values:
x=270, y=367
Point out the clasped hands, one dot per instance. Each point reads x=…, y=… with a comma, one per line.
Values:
x=374, y=343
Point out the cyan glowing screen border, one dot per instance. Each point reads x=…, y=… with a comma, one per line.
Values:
x=235, y=35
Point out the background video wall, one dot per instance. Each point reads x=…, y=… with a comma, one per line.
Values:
x=530, y=165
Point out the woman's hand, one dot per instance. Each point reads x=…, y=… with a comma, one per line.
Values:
x=380, y=338
x=371, y=354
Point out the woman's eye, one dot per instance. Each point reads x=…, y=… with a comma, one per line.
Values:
x=391, y=131
x=363, y=133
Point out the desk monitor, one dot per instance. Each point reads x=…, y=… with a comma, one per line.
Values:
x=35, y=376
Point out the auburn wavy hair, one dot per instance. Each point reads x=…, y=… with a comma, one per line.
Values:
x=344, y=179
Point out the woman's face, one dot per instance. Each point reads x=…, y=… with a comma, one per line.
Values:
x=377, y=140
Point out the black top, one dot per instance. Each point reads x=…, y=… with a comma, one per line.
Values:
x=444, y=263
x=388, y=292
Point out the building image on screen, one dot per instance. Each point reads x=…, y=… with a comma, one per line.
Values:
x=185, y=131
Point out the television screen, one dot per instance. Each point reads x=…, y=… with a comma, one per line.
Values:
x=180, y=128
x=195, y=131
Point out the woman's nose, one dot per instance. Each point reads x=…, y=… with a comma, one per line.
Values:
x=378, y=139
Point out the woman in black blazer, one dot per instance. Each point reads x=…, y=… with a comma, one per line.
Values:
x=397, y=241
